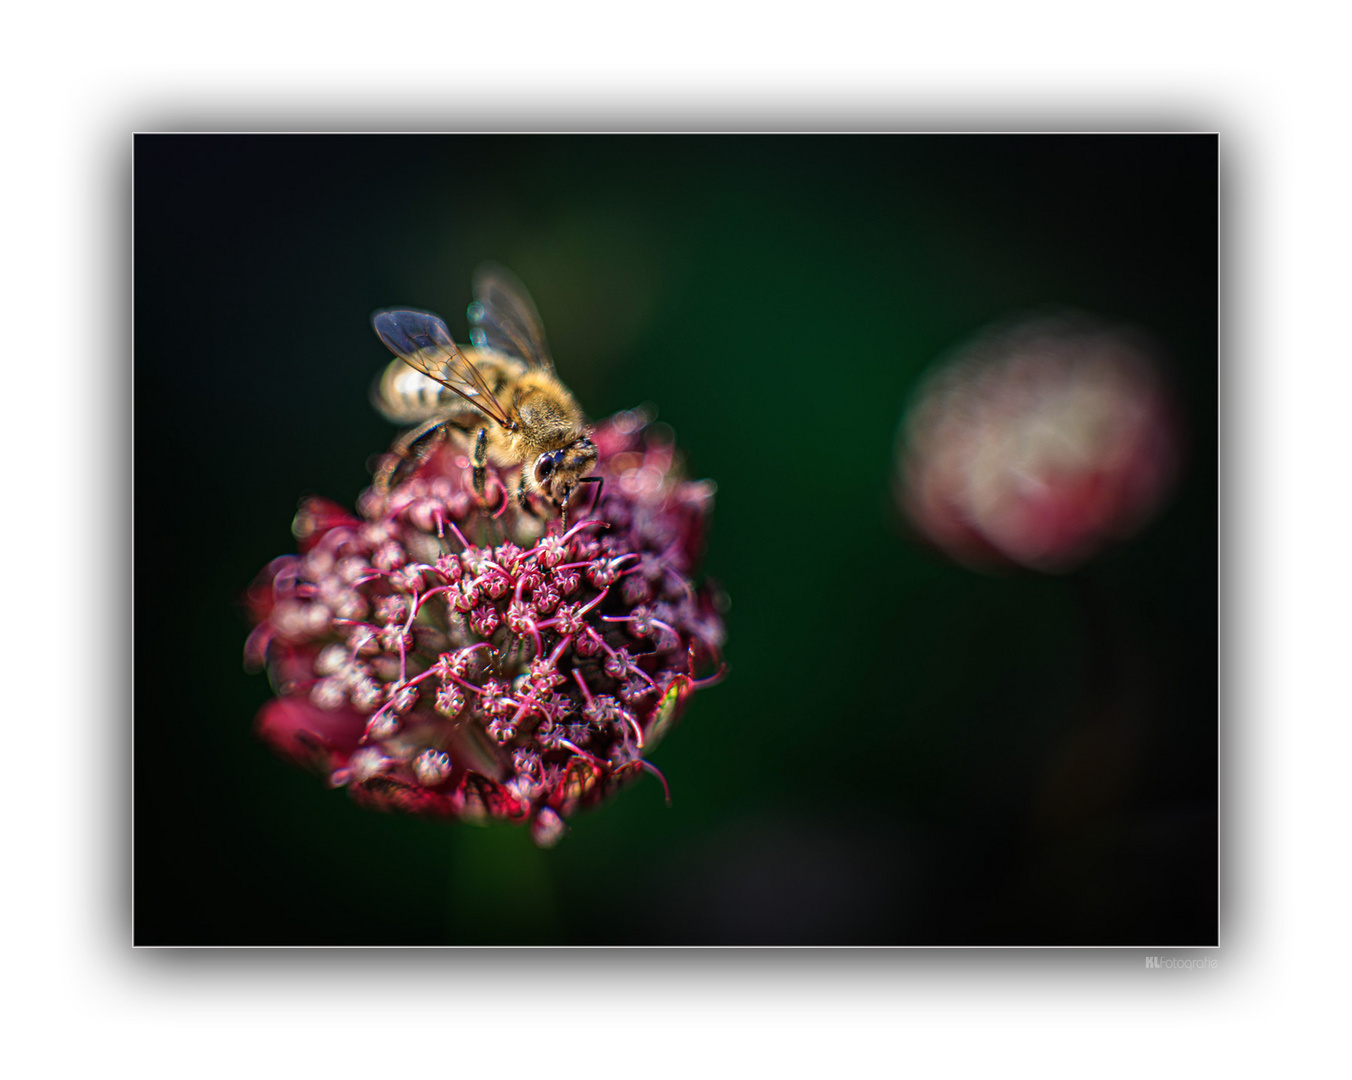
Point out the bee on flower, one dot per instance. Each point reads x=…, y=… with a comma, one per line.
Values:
x=453, y=650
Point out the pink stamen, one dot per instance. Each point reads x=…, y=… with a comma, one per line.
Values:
x=649, y=767
x=592, y=603
x=464, y=544
x=586, y=691
x=525, y=707
x=579, y=751
x=711, y=680
x=417, y=679
x=403, y=648
x=559, y=650
x=582, y=525
x=429, y=594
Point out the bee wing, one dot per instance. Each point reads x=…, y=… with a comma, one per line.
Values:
x=422, y=341
x=503, y=317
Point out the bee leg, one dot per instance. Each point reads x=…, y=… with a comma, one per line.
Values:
x=481, y=474
x=600, y=482
x=522, y=498
x=409, y=452
x=480, y=459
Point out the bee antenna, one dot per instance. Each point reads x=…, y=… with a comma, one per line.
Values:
x=464, y=544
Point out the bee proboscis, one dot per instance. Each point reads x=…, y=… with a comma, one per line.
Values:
x=503, y=393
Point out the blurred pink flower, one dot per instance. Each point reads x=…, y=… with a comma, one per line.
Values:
x=440, y=657
x=1038, y=445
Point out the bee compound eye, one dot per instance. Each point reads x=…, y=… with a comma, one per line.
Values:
x=544, y=467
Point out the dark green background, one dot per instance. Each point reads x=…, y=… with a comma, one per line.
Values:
x=905, y=752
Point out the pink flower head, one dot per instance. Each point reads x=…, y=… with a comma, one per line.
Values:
x=1039, y=445
x=440, y=656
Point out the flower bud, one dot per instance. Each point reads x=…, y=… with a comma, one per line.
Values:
x=382, y=726
x=548, y=828
x=390, y=556
x=329, y=693
x=450, y=700
x=431, y=767
x=1039, y=445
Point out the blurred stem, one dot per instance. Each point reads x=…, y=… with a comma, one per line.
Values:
x=1100, y=667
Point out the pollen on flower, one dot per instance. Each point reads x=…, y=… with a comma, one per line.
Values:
x=513, y=667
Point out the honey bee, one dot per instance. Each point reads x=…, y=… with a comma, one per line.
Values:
x=503, y=394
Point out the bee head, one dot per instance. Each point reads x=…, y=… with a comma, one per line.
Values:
x=558, y=471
